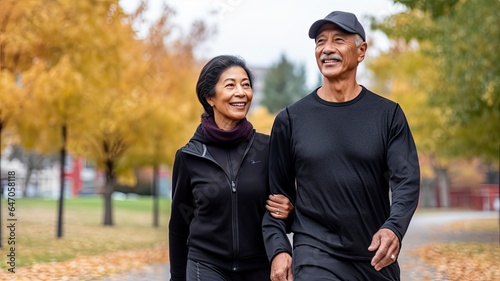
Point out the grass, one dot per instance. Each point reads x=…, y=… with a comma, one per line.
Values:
x=83, y=232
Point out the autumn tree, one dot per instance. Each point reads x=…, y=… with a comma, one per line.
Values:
x=467, y=41
x=451, y=83
x=284, y=84
x=15, y=56
x=10, y=105
x=112, y=124
x=459, y=38
x=94, y=88
x=77, y=78
x=170, y=111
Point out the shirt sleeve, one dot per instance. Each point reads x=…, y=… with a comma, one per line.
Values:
x=182, y=210
x=281, y=181
x=404, y=175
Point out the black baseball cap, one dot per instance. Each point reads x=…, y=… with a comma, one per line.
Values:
x=345, y=20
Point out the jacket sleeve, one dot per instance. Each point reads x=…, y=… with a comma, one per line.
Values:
x=281, y=181
x=182, y=210
x=404, y=175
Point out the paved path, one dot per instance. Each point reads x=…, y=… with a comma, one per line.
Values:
x=425, y=228
x=157, y=272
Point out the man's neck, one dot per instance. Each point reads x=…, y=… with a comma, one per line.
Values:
x=339, y=90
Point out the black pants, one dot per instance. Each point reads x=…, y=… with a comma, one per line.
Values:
x=311, y=264
x=198, y=271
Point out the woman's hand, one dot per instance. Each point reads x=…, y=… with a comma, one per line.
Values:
x=279, y=206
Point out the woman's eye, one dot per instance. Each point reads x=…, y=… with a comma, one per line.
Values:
x=246, y=85
x=230, y=85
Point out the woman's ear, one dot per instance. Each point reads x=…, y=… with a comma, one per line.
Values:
x=210, y=101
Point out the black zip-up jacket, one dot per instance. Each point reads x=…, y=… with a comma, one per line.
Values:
x=219, y=193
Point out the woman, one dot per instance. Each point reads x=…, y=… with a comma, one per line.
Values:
x=220, y=184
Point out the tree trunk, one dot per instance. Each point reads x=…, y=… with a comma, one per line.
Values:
x=492, y=174
x=444, y=187
x=154, y=193
x=108, y=191
x=29, y=172
x=37, y=175
x=61, y=193
x=428, y=198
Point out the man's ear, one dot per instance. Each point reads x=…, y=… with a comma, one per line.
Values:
x=362, y=51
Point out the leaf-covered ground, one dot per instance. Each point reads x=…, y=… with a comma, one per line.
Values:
x=89, y=251
x=456, y=261
x=470, y=261
x=475, y=258
x=86, y=268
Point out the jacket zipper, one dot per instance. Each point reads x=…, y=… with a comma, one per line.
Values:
x=236, y=240
x=234, y=216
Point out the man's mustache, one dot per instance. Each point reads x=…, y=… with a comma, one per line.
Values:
x=330, y=57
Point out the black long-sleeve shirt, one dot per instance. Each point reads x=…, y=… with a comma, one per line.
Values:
x=338, y=161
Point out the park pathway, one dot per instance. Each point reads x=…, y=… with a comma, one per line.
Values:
x=425, y=228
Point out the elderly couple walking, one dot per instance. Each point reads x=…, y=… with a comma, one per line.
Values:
x=339, y=170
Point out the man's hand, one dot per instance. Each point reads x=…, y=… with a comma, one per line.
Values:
x=386, y=245
x=281, y=267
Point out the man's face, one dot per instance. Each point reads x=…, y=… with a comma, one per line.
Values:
x=336, y=52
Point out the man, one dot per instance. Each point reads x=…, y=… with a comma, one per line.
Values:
x=346, y=158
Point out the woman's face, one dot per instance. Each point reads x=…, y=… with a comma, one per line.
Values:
x=232, y=99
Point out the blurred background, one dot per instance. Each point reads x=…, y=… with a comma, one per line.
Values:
x=97, y=95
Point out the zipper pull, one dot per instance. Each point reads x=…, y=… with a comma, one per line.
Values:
x=233, y=186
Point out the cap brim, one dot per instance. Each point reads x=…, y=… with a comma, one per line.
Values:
x=313, y=31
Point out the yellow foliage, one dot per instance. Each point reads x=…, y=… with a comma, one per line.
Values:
x=127, y=177
x=125, y=100
x=15, y=34
x=10, y=96
x=261, y=119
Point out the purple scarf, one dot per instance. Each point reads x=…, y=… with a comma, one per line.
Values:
x=242, y=131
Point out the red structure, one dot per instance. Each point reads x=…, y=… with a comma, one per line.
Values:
x=72, y=175
x=485, y=198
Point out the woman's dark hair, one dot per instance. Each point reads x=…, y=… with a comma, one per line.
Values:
x=210, y=74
